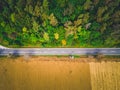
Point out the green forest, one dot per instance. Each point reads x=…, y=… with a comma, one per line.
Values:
x=60, y=23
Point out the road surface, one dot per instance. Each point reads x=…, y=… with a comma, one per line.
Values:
x=60, y=51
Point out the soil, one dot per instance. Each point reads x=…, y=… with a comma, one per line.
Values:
x=42, y=74
x=56, y=73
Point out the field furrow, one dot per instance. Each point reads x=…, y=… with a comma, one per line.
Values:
x=105, y=76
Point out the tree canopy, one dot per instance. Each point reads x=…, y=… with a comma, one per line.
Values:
x=60, y=23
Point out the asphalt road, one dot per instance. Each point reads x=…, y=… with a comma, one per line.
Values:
x=60, y=51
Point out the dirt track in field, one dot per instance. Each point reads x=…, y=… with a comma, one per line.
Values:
x=46, y=73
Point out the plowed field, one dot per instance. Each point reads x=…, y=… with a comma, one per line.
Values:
x=58, y=74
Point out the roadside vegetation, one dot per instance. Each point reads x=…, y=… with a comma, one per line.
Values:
x=73, y=58
x=60, y=23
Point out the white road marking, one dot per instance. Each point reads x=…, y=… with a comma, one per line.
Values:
x=112, y=51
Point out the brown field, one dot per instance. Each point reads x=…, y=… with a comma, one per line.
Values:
x=105, y=76
x=53, y=73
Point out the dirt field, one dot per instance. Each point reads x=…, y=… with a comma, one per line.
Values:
x=52, y=73
x=44, y=75
x=105, y=76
